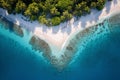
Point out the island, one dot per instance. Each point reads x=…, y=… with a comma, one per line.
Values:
x=58, y=26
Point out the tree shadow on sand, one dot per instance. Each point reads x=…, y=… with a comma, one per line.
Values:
x=82, y=22
x=93, y=16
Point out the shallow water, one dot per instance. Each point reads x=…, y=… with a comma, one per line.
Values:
x=97, y=58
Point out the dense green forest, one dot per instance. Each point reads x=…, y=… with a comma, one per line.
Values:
x=51, y=12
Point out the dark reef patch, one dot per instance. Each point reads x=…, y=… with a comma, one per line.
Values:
x=18, y=30
x=106, y=28
x=40, y=45
x=77, y=43
x=115, y=19
x=11, y=26
x=114, y=22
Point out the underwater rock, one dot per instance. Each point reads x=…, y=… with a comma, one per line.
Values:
x=11, y=26
x=114, y=22
x=114, y=19
x=17, y=29
x=41, y=45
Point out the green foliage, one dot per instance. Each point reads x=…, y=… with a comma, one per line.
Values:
x=32, y=11
x=51, y=12
x=63, y=4
x=20, y=7
x=27, y=13
x=33, y=8
x=62, y=18
x=67, y=15
x=33, y=17
x=43, y=20
x=87, y=9
x=93, y=5
x=54, y=11
x=6, y=5
x=100, y=4
x=55, y=21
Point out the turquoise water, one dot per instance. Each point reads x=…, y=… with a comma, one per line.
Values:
x=97, y=58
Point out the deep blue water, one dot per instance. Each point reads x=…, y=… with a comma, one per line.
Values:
x=100, y=60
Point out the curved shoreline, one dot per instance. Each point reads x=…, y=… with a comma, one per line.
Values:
x=61, y=39
x=59, y=35
x=71, y=48
x=81, y=37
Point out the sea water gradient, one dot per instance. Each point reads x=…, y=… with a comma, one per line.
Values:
x=97, y=56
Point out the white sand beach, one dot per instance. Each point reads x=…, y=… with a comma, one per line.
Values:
x=57, y=36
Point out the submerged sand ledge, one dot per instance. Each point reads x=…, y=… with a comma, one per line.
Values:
x=59, y=43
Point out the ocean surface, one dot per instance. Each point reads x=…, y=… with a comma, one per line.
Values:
x=98, y=59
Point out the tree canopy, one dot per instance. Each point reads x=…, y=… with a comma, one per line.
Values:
x=52, y=12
